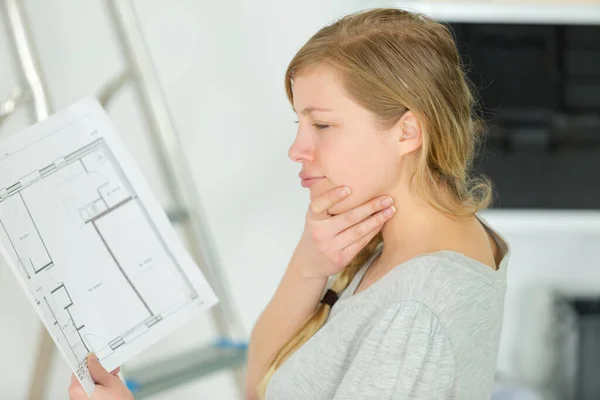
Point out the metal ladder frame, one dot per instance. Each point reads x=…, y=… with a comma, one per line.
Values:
x=230, y=351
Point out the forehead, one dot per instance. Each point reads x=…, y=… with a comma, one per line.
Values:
x=318, y=87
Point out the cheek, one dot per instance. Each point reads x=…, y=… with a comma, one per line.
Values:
x=343, y=159
x=367, y=168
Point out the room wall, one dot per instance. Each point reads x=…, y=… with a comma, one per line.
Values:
x=221, y=65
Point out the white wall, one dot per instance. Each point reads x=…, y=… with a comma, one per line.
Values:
x=554, y=255
x=221, y=65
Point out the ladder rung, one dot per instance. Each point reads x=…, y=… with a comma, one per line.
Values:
x=166, y=374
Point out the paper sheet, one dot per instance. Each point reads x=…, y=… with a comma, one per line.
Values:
x=89, y=243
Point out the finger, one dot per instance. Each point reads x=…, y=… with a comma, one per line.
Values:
x=115, y=371
x=97, y=371
x=324, y=202
x=76, y=391
x=352, y=217
x=364, y=228
x=348, y=253
x=105, y=393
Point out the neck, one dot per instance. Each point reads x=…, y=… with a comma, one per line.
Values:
x=416, y=228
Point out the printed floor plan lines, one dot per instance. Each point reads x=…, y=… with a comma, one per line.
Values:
x=22, y=233
x=93, y=250
x=88, y=186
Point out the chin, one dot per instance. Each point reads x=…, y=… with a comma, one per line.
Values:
x=314, y=195
x=318, y=191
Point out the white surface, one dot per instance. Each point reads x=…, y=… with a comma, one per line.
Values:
x=537, y=12
x=539, y=222
x=221, y=65
x=553, y=252
x=89, y=244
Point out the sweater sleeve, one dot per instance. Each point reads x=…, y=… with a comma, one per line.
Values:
x=405, y=355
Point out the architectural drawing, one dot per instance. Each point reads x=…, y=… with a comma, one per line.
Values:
x=85, y=244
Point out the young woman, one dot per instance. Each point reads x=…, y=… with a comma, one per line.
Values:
x=396, y=288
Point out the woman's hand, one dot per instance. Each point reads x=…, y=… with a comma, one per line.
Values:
x=108, y=385
x=330, y=242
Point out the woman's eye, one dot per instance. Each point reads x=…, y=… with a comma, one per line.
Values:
x=318, y=126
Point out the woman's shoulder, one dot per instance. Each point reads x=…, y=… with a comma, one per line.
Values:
x=443, y=269
x=454, y=272
x=445, y=282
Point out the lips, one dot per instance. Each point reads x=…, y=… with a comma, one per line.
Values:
x=311, y=181
x=308, y=179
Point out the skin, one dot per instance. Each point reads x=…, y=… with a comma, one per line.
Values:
x=340, y=142
x=108, y=384
x=343, y=145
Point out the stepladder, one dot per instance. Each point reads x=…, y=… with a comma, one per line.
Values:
x=228, y=350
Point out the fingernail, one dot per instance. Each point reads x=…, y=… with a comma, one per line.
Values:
x=93, y=357
x=388, y=212
x=387, y=201
x=344, y=191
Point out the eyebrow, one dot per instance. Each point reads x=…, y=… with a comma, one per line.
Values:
x=308, y=110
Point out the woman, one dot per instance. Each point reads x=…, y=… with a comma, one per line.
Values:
x=396, y=288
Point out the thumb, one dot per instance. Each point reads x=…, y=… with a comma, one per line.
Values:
x=97, y=371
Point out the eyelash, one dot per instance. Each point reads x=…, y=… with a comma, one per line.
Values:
x=318, y=126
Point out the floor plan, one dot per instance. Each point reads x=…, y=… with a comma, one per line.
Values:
x=89, y=243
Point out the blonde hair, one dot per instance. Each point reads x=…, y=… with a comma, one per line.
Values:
x=391, y=61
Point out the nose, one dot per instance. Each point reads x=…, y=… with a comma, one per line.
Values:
x=302, y=149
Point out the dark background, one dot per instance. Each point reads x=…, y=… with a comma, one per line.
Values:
x=539, y=93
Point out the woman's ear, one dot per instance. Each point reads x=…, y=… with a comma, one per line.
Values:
x=410, y=138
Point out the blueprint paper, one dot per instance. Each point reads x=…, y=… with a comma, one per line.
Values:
x=88, y=242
